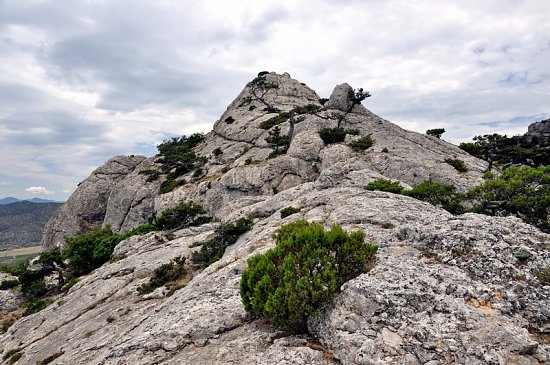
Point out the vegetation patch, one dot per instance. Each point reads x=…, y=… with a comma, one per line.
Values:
x=181, y=216
x=332, y=135
x=8, y=284
x=170, y=184
x=457, y=164
x=361, y=144
x=11, y=356
x=166, y=273
x=385, y=185
x=226, y=235
x=437, y=194
x=152, y=175
x=436, y=132
x=276, y=120
x=292, y=281
x=285, y=212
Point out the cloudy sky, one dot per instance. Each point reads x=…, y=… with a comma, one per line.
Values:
x=83, y=80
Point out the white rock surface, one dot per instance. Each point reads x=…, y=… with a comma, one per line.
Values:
x=444, y=289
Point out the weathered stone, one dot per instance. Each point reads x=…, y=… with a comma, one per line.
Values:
x=444, y=288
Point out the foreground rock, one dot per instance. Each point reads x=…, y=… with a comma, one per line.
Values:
x=444, y=289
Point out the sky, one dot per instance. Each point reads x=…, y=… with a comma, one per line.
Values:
x=84, y=80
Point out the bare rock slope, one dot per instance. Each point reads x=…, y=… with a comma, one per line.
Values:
x=445, y=289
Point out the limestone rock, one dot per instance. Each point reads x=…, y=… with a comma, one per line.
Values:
x=444, y=288
x=541, y=130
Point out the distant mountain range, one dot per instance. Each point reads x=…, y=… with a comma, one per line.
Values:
x=11, y=200
x=22, y=222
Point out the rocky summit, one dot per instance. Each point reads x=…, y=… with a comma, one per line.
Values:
x=445, y=289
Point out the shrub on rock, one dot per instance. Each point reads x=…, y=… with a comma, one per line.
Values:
x=385, y=185
x=292, y=281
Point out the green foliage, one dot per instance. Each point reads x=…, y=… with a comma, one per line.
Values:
x=172, y=271
x=457, y=164
x=276, y=120
x=34, y=305
x=361, y=144
x=279, y=141
x=181, y=216
x=8, y=284
x=472, y=148
x=152, y=175
x=516, y=150
x=198, y=172
x=332, y=135
x=13, y=355
x=226, y=235
x=285, y=212
x=323, y=101
x=51, y=259
x=88, y=251
x=437, y=194
x=217, y=152
x=543, y=276
x=357, y=96
x=292, y=281
x=177, y=153
x=352, y=131
x=248, y=161
x=143, y=229
x=521, y=191
x=307, y=109
x=385, y=185
x=262, y=73
x=437, y=132
x=170, y=184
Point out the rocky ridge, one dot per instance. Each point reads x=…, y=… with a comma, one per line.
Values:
x=444, y=289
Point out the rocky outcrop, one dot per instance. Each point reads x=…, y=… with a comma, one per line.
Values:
x=540, y=130
x=116, y=195
x=444, y=288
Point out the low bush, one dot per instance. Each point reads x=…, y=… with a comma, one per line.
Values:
x=34, y=305
x=385, y=185
x=152, y=175
x=292, y=281
x=437, y=194
x=226, y=235
x=170, y=184
x=276, y=120
x=457, y=164
x=172, y=271
x=8, y=284
x=332, y=135
x=285, y=212
x=307, y=109
x=361, y=144
x=217, y=152
x=436, y=132
x=182, y=215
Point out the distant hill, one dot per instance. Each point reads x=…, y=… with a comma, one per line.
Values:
x=22, y=223
x=11, y=200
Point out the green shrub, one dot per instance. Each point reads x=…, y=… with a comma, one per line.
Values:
x=277, y=140
x=226, y=235
x=543, y=276
x=170, y=184
x=520, y=191
x=292, y=281
x=276, y=120
x=34, y=306
x=385, y=185
x=361, y=144
x=437, y=194
x=181, y=216
x=437, y=132
x=8, y=284
x=177, y=154
x=332, y=135
x=457, y=164
x=307, y=109
x=80, y=249
x=152, y=175
x=217, y=152
x=289, y=211
x=172, y=271
x=198, y=172
x=143, y=229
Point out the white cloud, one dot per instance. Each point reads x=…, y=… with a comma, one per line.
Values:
x=39, y=190
x=83, y=81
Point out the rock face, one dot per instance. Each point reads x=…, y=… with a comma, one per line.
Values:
x=444, y=289
x=115, y=194
x=541, y=130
